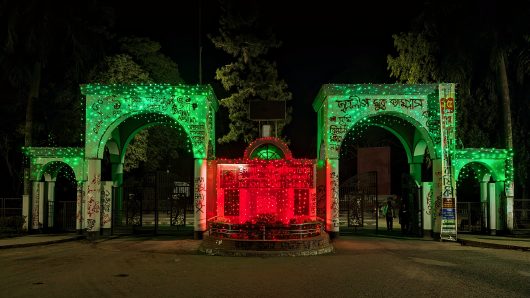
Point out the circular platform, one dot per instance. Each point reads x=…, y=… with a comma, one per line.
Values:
x=310, y=246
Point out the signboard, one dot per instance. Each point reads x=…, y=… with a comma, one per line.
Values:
x=267, y=110
x=447, y=136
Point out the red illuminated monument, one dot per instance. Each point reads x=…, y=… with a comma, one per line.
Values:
x=267, y=201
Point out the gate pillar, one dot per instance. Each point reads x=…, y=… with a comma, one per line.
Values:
x=199, y=197
x=25, y=212
x=51, y=205
x=80, y=202
x=37, y=205
x=106, y=207
x=437, y=189
x=427, y=199
x=332, y=197
x=92, y=208
x=493, y=208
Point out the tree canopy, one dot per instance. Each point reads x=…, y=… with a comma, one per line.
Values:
x=252, y=75
x=483, y=46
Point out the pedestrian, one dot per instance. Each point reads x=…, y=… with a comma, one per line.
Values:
x=404, y=218
x=388, y=211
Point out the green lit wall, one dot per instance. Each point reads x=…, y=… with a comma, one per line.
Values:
x=342, y=107
x=495, y=162
x=49, y=160
x=191, y=107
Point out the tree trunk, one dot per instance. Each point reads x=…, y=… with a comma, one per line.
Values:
x=507, y=114
x=28, y=129
x=505, y=95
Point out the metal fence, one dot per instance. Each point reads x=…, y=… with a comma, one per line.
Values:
x=472, y=216
x=521, y=210
x=10, y=207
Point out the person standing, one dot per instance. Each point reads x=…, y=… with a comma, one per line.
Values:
x=388, y=210
x=404, y=218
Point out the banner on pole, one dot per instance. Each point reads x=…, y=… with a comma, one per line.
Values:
x=447, y=136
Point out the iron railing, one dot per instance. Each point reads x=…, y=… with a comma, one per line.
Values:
x=10, y=207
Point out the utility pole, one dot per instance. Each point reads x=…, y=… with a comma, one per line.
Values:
x=200, y=42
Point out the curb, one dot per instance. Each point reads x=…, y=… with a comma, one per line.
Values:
x=42, y=243
x=492, y=245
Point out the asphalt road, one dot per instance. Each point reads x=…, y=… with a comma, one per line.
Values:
x=360, y=267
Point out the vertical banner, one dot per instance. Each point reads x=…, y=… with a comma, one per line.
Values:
x=447, y=136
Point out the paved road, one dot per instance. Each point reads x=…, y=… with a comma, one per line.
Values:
x=361, y=266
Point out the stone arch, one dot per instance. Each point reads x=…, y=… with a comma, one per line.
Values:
x=268, y=140
x=408, y=145
x=476, y=165
x=50, y=170
x=163, y=119
x=108, y=106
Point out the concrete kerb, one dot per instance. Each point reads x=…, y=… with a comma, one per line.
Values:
x=37, y=243
x=491, y=245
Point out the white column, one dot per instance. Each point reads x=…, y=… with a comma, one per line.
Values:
x=199, y=199
x=92, y=208
x=26, y=201
x=79, y=207
x=332, y=196
x=427, y=199
x=437, y=195
x=51, y=205
x=36, y=197
x=484, y=199
x=106, y=204
x=509, y=191
x=493, y=208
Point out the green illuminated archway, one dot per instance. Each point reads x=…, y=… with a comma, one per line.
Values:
x=340, y=107
x=49, y=160
x=494, y=160
x=107, y=106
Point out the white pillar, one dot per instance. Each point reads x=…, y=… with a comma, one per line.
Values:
x=106, y=206
x=427, y=199
x=36, y=203
x=493, y=208
x=484, y=199
x=79, y=208
x=26, y=200
x=199, y=199
x=437, y=189
x=51, y=205
x=332, y=196
x=92, y=208
x=509, y=191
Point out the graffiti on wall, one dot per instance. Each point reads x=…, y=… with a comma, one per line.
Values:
x=335, y=199
x=199, y=196
x=321, y=201
x=184, y=105
x=106, y=201
x=93, y=206
x=79, y=202
x=428, y=199
x=356, y=102
x=35, y=209
x=348, y=111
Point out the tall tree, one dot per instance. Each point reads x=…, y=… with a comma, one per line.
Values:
x=140, y=60
x=43, y=42
x=482, y=46
x=252, y=76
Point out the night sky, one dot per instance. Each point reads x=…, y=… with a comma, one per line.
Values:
x=323, y=42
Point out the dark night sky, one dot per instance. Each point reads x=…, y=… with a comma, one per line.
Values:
x=323, y=42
